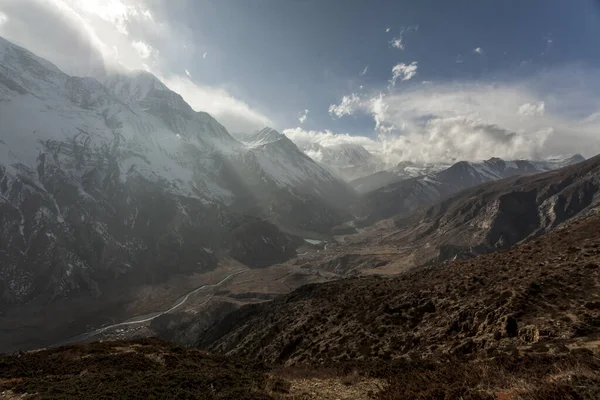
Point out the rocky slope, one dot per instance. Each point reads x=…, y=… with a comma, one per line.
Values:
x=540, y=296
x=133, y=370
x=406, y=195
x=500, y=214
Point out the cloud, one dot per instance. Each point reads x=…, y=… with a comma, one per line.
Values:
x=234, y=114
x=529, y=109
x=378, y=109
x=545, y=114
x=397, y=43
x=204, y=54
x=446, y=140
x=388, y=29
x=86, y=37
x=3, y=18
x=52, y=30
x=440, y=140
x=478, y=50
x=364, y=71
x=303, y=116
x=404, y=72
x=188, y=73
x=346, y=107
x=143, y=49
x=327, y=138
x=459, y=59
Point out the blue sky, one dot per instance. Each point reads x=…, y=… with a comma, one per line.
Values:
x=290, y=55
x=530, y=67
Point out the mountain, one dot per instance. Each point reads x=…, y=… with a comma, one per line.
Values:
x=284, y=185
x=499, y=214
x=407, y=195
x=111, y=183
x=350, y=161
x=403, y=170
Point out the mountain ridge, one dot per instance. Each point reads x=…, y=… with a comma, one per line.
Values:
x=407, y=195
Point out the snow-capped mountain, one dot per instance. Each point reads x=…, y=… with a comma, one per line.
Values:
x=281, y=160
x=349, y=161
x=401, y=171
x=284, y=185
x=404, y=196
x=119, y=179
x=466, y=174
x=469, y=171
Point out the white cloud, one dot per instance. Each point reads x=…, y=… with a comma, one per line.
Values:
x=83, y=37
x=478, y=50
x=403, y=71
x=388, y=29
x=459, y=59
x=544, y=115
x=204, y=54
x=51, y=29
x=143, y=49
x=378, y=108
x=303, y=116
x=346, y=107
x=327, y=138
x=364, y=71
x=446, y=140
x=3, y=18
x=188, y=73
x=234, y=114
x=397, y=43
x=529, y=109
x=117, y=12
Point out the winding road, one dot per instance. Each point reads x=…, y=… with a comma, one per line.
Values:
x=140, y=319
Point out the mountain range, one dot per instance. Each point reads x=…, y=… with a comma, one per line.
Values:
x=406, y=195
x=118, y=178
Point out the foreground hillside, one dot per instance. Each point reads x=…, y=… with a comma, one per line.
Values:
x=523, y=323
x=540, y=296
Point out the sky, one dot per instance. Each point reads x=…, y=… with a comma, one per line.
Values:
x=432, y=81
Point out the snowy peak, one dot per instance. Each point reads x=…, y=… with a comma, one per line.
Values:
x=264, y=137
x=558, y=162
x=341, y=155
x=133, y=86
x=406, y=195
x=351, y=155
x=349, y=161
x=281, y=160
x=474, y=173
x=23, y=72
x=145, y=92
x=19, y=57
